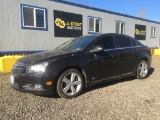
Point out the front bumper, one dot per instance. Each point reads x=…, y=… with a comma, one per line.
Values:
x=35, y=92
x=32, y=83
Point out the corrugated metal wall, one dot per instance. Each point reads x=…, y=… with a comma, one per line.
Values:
x=12, y=37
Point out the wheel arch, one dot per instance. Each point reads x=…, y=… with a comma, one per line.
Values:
x=73, y=67
x=144, y=57
x=141, y=74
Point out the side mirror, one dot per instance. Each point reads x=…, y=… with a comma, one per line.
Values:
x=96, y=48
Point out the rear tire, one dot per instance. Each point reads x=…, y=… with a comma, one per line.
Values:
x=142, y=69
x=70, y=84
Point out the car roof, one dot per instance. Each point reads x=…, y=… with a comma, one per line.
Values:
x=101, y=34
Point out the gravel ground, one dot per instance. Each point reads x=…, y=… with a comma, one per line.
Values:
x=126, y=99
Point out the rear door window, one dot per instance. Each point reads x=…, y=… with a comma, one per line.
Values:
x=124, y=41
x=139, y=43
x=134, y=42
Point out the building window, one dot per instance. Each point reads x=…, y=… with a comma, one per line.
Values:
x=33, y=17
x=120, y=27
x=94, y=25
x=153, y=31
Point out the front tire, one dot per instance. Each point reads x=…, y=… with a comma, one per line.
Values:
x=70, y=84
x=142, y=69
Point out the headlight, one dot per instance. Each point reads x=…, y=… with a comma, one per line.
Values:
x=36, y=68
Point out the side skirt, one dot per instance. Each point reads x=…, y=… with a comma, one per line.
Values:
x=110, y=79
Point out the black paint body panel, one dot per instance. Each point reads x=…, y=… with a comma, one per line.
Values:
x=96, y=67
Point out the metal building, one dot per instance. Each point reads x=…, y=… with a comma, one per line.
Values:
x=44, y=24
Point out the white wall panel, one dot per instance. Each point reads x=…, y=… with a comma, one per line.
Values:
x=13, y=38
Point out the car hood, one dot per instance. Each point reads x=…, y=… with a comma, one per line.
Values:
x=43, y=57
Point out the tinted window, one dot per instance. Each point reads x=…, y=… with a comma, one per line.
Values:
x=134, y=42
x=107, y=42
x=139, y=44
x=77, y=43
x=124, y=41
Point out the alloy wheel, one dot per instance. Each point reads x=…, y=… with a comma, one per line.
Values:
x=143, y=69
x=71, y=83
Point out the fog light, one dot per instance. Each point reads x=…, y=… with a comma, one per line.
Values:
x=27, y=86
x=38, y=87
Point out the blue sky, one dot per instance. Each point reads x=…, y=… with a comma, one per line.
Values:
x=148, y=9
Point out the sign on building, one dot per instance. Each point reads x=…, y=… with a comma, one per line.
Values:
x=140, y=32
x=67, y=24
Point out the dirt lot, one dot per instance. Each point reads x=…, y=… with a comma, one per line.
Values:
x=126, y=99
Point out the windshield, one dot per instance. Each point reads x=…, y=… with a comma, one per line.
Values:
x=76, y=44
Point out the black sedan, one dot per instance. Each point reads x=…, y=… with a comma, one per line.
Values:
x=79, y=63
